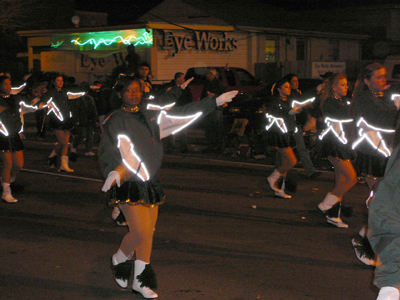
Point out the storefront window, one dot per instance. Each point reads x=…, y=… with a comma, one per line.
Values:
x=270, y=51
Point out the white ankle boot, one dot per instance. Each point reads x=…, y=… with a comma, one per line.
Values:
x=64, y=164
x=6, y=196
x=144, y=280
x=331, y=208
x=388, y=293
x=273, y=179
x=122, y=272
x=282, y=193
x=329, y=201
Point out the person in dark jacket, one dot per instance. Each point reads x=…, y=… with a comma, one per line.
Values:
x=214, y=121
x=384, y=228
x=185, y=98
x=301, y=120
x=131, y=154
x=88, y=120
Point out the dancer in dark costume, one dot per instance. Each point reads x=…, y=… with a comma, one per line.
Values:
x=131, y=154
x=336, y=146
x=377, y=115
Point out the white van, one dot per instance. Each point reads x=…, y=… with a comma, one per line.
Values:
x=392, y=65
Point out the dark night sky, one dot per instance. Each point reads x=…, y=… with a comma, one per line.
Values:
x=118, y=10
x=122, y=11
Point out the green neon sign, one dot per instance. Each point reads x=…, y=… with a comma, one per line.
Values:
x=106, y=40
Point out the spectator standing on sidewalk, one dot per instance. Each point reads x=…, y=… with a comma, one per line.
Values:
x=214, y=121
x=316, y=113
x=301, y=120
x=185, y=98
x=88, y=120
x=38, y=90
x=144, y=73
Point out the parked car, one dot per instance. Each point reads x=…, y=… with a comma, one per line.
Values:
x=250, y=97
x=245, y=106
x=392, y=65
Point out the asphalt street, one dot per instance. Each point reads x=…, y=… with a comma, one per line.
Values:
x=220, y=235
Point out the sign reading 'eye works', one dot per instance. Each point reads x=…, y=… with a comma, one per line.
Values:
x=198, y=40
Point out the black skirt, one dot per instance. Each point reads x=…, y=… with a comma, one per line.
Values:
x=332, y=147
x=148, y=193
x=370, y=165
x=280, y=140
x=12, y=143
x=56, y=124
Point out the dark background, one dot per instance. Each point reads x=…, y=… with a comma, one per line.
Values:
x=124, y=11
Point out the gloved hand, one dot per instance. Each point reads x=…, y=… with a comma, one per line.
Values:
x=226, y=97
x=396, y=100
x=294, y=110
x=186, y=83
x=112, y=176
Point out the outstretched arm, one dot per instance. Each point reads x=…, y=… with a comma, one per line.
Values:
x=177, y=118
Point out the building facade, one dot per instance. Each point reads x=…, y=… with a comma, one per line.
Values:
x=91, y=53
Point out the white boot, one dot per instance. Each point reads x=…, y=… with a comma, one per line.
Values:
x=388, y=293
x=7, y=197
x=115, y=212
x=118, y=217
x=273, y=179
x=329, y=201
x=144, y=280
x=64, y=164
x=122, y=271
x=334, y=218
x=282, y=193
x=331, y=208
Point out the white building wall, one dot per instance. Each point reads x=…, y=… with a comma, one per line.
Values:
x=349, y=50
x=319, y=49
x=168, y=65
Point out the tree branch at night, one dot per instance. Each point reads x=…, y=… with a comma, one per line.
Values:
x=17, y=13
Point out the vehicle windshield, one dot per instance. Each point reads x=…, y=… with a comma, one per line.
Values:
x=198, y=74
x=245, y=78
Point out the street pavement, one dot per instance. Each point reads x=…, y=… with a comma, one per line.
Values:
x=220, y=235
